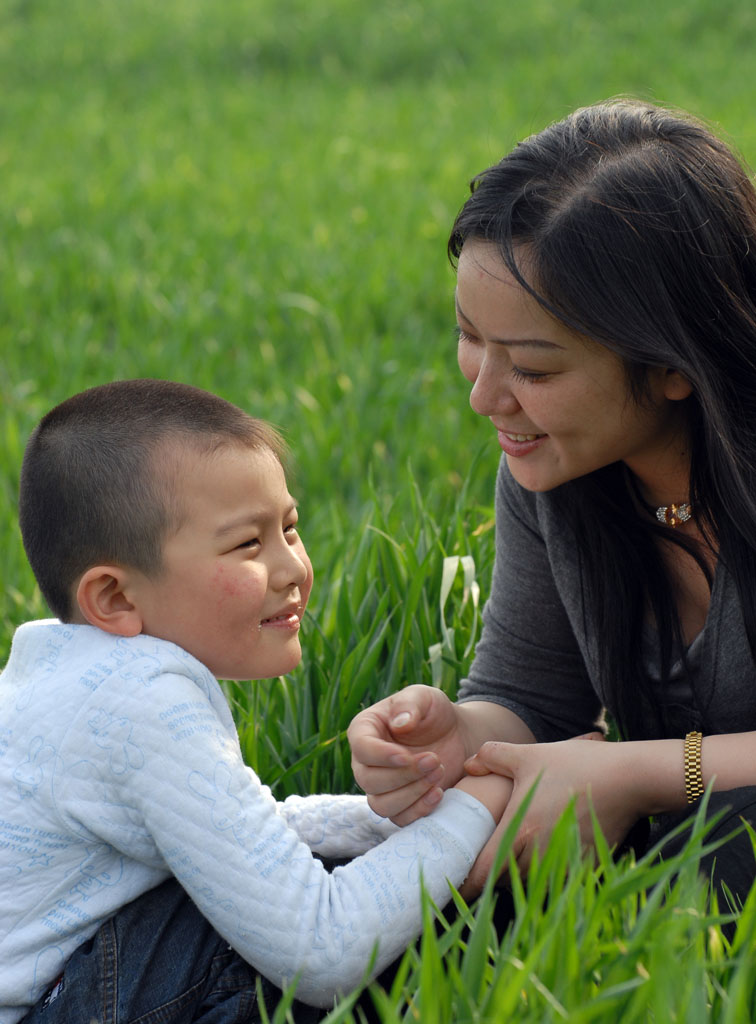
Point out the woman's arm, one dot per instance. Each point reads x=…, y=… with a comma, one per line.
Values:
x=621, y=782
x=409, y=747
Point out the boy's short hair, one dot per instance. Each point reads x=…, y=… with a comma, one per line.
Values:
x=93, y=489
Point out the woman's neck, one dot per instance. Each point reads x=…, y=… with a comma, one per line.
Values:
x=662, y=478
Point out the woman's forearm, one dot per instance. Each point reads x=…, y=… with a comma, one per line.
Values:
x=727, y=760
x=482, y=720
x=623, y=781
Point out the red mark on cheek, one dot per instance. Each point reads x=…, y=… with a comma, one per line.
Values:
x=224, y=585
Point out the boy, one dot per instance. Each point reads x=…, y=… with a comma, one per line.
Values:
x=159, y=525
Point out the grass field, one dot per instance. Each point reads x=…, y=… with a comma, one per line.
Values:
x=254, y=197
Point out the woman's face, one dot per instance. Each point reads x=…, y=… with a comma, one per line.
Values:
x=560, y=402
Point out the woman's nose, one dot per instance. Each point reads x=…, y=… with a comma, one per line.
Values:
x=491, y=393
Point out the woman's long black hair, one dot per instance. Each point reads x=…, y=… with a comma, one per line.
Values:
x=640, y=232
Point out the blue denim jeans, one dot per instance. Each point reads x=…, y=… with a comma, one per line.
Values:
x=158, y=961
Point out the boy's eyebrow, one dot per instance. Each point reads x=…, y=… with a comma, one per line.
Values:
x=511, y=342
x=250, y=519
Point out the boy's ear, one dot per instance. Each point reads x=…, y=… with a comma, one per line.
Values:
x=102, y=597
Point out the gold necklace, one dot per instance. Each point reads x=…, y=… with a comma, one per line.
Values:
x=674, y=514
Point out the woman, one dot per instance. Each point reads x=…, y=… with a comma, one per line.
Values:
x=606, y=301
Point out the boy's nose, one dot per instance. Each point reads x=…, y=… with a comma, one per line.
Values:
x=290, y=569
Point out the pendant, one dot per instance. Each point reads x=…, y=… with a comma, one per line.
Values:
x=673, y=515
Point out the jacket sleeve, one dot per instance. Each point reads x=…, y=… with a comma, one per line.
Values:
x=336, y=825
x=184, y=798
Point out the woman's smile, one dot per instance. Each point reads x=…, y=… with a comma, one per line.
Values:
x=518, y=445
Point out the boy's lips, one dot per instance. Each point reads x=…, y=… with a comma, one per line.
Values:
x=288, y=617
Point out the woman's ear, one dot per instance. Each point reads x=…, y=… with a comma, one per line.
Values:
x=676, y=387
x=101, y=595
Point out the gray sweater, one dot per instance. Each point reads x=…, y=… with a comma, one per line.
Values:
x=538, y=654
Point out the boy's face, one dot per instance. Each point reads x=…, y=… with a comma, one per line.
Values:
x=236, y=577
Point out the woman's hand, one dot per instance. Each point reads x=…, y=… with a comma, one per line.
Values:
x=406, y=750
x=601, y=775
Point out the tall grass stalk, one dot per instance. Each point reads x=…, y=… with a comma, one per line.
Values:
x=589, y=939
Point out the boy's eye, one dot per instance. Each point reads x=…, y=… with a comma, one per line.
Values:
x=248, y=543
x=292, y=528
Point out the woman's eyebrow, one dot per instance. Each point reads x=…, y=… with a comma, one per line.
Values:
x=511, y=342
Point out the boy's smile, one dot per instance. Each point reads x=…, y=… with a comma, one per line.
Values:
x=236, y=577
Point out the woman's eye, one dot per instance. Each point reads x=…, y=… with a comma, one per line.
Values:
x=530, y=376
x=462, y=336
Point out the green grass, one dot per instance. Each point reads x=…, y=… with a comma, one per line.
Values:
x=254, y=197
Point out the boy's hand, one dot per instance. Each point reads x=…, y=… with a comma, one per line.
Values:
x=493, y=791
x=406, y=750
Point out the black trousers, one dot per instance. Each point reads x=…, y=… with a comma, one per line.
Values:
x=734, y=863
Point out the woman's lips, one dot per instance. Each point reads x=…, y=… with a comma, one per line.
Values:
x=518, y=445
